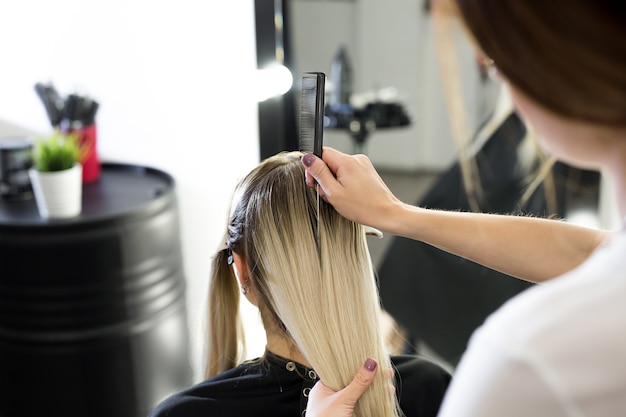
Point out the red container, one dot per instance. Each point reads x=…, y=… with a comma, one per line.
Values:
x=91, y=163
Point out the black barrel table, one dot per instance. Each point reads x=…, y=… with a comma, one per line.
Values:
x=93, y=319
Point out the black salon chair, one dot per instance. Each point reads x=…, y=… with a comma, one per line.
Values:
x=439, y=298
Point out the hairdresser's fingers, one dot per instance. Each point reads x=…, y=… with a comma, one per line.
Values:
x=351, y=184
x=334, y=159
x=324, y=402
x=361, y=381
x=310, y=181
x=339, y=176
x=308, y=178
x=318, y=171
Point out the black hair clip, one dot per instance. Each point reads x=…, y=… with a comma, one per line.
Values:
x=229, y=254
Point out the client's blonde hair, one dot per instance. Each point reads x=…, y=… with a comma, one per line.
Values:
x=324, y=298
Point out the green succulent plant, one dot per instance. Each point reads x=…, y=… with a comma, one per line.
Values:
x=56, y=152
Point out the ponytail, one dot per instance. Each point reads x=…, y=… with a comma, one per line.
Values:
x=225, y=338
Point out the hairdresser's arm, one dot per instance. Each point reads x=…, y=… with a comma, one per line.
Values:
x=532, y=249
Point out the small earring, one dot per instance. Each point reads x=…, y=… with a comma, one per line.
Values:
x=244, y=288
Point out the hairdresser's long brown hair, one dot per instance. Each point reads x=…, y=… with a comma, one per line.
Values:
x=569, y=56
x=322, y=297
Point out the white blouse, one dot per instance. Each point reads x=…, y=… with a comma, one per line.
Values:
x=557, y=349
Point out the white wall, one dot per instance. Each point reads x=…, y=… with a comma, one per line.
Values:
x=172, y=82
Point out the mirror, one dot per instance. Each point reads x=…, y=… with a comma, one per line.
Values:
x=393, y=56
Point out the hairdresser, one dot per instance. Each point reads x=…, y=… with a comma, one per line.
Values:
x=557, y=349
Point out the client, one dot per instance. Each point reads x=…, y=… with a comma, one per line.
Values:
x=310, y=275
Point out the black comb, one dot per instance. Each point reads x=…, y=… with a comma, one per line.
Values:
x=312, y=112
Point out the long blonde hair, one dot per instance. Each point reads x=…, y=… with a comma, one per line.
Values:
x=323, y=297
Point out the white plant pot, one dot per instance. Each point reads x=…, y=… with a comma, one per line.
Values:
x=58, y=194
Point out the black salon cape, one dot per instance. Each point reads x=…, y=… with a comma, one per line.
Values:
x=267, y=387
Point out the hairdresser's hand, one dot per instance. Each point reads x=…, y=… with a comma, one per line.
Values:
x=324, y=402
x=351, y=184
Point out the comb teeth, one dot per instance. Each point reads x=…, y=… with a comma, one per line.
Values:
x=312, y=112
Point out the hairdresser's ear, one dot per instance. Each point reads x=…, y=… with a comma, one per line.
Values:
x=243, y=276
